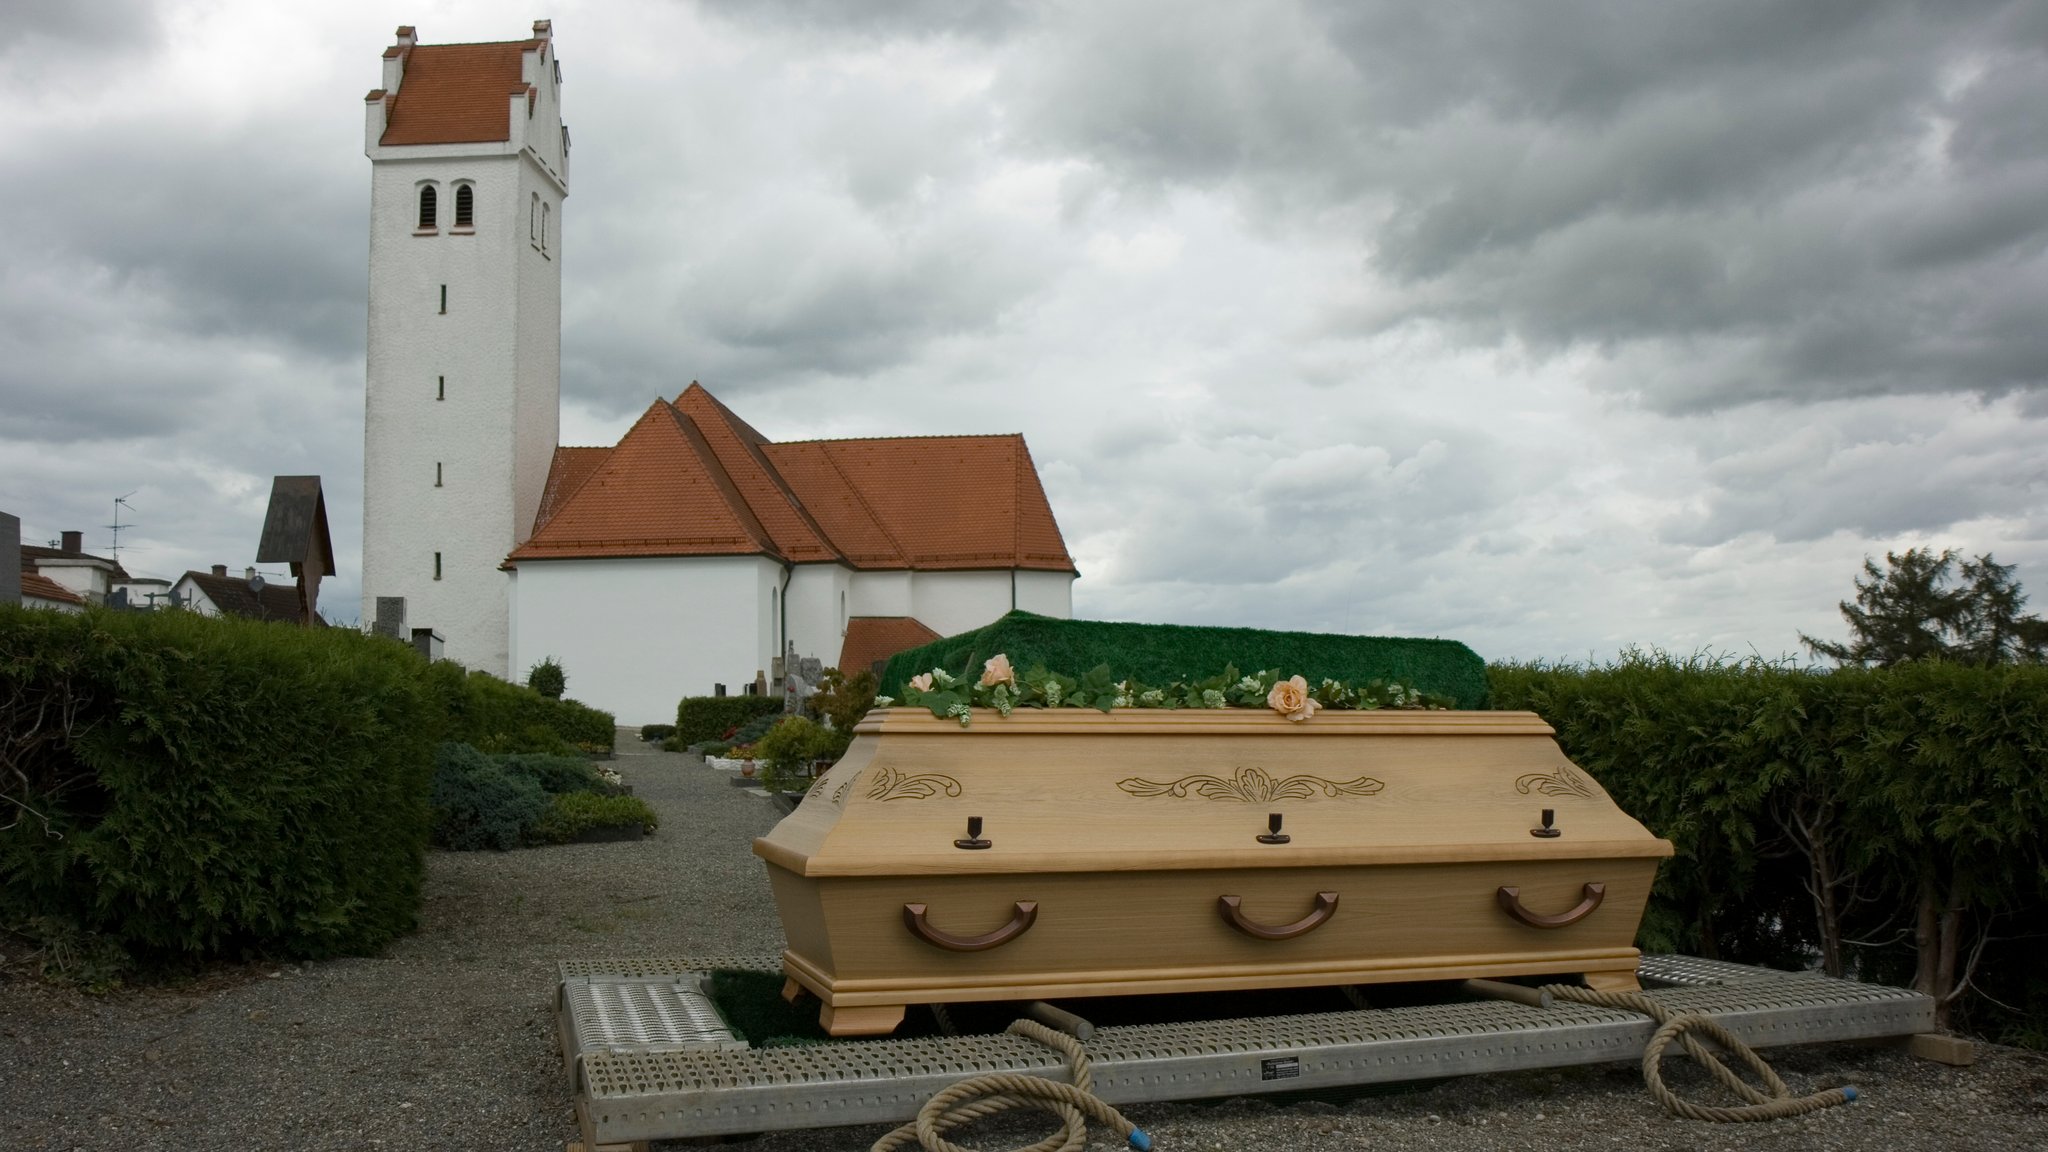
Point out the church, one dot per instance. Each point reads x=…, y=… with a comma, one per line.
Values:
x=693, y=555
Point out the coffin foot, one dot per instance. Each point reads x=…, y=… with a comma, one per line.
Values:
x=793, y=991
x=867, y=1020
x=1612, y=981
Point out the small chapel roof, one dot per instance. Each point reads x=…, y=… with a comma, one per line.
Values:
x=457, y=93
x=872, y=639
x=698, y=480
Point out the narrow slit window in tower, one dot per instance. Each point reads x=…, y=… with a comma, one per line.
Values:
x=437, y=565
x=544, y=209
x=444, y=299
x=428, y=215
x=440, y=387
x=437, y=473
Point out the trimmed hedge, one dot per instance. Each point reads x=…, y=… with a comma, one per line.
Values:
x=1917, y=796
x=492, y=715
x=203, y=787
x=1162, y=653
x=711, y=717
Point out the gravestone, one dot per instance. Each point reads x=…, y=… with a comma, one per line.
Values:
x=390, y=619
x=10, y=559
x=801, y=681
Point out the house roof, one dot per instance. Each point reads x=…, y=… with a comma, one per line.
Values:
x=870, y=639
x=919, y=502
x=31, y=553
x=36, y=586
x=457, y=93
x=233, y=596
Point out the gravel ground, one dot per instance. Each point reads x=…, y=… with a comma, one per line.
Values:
x=447, y=1042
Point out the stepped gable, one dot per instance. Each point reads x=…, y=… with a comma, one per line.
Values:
x=661, y=492
x=457, y=93
x=872, y=639
x=739, y=449
x=566, y=473
x=942, y=502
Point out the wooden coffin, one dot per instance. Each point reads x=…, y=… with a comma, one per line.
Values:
x=1059, y=853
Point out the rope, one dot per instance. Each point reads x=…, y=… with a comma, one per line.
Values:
x=1073, y=1103
x=1775, y=1104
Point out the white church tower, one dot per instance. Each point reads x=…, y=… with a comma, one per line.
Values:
x=469, y=169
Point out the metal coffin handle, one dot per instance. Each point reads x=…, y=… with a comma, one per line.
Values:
x=1227, y=907
x=1511, y=903
x=1020, y=921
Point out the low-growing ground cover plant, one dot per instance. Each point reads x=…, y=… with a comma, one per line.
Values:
x=573, y=814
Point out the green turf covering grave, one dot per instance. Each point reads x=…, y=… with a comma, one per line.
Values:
x=1163, y=653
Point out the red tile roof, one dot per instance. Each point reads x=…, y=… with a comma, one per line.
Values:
x=571, y=467
x=40, y=587
x=457, y=93
x=920, y=502
x=661, y=492
x=873, y=638
x=30, y=553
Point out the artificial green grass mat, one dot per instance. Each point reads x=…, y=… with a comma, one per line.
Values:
x=1159, y=654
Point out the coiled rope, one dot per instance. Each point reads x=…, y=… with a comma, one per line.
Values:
x=1775, y=1104
x=1073, y=1103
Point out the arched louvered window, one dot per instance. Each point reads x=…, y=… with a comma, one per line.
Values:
x=533, y=219
x=465, y=206
x=544, y=227
x=429, y=214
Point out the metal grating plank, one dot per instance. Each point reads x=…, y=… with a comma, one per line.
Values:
x=655, y=1093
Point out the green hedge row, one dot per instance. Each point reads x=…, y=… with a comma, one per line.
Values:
x=1878, y=822
x=178, y=788
x=1163, y=653
x=700, y=718
x=492, y=715
x=511, y=801
x=198, y=787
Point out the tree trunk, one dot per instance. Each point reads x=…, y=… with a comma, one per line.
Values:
x=1945, y=974
x=1821, y=882
x=1710, y=948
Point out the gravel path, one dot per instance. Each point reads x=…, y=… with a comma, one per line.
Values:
x=446, y=1041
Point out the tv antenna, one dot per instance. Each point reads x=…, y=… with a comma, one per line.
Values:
x=120, y=502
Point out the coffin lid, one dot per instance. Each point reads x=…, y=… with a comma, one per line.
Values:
x=1069, y=790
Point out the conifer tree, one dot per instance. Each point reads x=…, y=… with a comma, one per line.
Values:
x=1936, y=606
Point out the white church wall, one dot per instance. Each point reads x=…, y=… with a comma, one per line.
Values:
x=637, y=635
x=1046, y=593
x=950, y=602
x=816, y=594
x=882, y=593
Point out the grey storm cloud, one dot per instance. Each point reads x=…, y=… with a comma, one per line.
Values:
x=1848, y=198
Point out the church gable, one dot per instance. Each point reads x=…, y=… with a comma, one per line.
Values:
x=661, y=492
x=739, y=449
x=457, y=93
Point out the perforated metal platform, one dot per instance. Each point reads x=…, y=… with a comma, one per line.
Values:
x=635, y=1081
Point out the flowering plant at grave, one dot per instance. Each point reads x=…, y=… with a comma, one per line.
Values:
x=1004, y=689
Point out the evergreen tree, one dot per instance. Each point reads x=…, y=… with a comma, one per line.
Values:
x=1936, y=606
x=548, y=678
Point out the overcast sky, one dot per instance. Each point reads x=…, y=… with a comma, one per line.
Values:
x=1551, y=328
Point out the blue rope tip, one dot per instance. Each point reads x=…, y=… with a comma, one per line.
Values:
x=1849, y=1092
x=1140, y=1141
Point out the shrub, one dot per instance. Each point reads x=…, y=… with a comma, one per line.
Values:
x=493, y=716
x=789, y=748
x=572, y=814
x=556, y=775
x=1163, y=653
x=752, y=731
x=714, y=717
x=481, y=803
x=843, y=699
x=192, y=787
x=548, y=678
x=1815, y=813
x=649, y=733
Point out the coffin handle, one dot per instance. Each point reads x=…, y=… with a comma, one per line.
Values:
x=1511, y=903
x=1022, y=919
x=1233, y=915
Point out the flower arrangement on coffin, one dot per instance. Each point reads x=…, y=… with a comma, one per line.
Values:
x=1004, y=689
